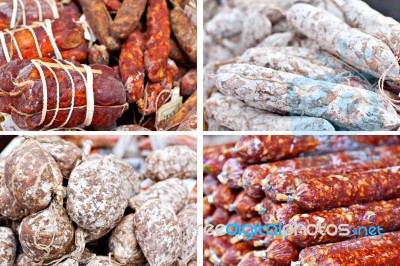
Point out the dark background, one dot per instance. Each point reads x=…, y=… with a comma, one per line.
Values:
x=389, y=8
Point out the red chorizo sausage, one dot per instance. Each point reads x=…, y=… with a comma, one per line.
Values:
x=287, y=182
x=223, y=197
x=157, y=42
x=232, y=172
x=235, y=253
x=384, y=214
x=372, y=251
x=214, y=157
x=220, y=216
x=245, y=205
x=343, y=190
x=253, y=175
x=258, y=149
x=210, y=184
x=132, y=66
x=282, y=252
x=250, y=259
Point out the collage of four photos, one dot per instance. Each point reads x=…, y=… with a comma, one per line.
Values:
x=289, y=149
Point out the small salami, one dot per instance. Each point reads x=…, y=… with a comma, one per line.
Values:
x=250, y=259
x=223, y=197
x=245, y=205
x=232, y=172
x=174, y=161
x=282, y=252
x=171, y=191
x=8, y=247
x=214, y=157
x=158, y=232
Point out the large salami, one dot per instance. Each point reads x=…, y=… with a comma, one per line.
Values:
x=376, y=251
x=50, y=93
x=287, y=182
x=253, y=174
x=383, y=214
x=343, y=190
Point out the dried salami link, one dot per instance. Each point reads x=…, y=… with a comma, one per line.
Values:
x=329, y=144
x=132, y=66
x=244, y=205
x=232, y=172
x=185, y=32
x=220, y=216
x=258, y=149
x=286, y=93
x=99, y=20
x=252, y=176
x=343, y=190
x=229, y=112
x=214, y=157
x=288, y=182
x=223, y=197
x=374, y=251
x=235, y=253
x=208, y=208
x=157, y=43
x=156, y=94
x=282, y=252
x=66, y=94
x=249, y=234
x=250, y=259
x=127, y=18
x=188, y=83
x=210, y=184
x=384, y=214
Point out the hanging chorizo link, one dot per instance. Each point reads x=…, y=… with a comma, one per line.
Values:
x=214, y=157
x=282, y=252
x=132, y=66
x=383, y=214
x=376, y=251
x=155, y=94
x=66, y=94
x=343, y=190
x=127, y=18
x=244, y=205
x=232, y=172
x=157, y=40
x=258, y=149
x=60, y=38
x=287, y=182
x=252, y=176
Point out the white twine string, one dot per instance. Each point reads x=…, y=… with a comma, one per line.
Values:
x=4, y=45
x=58, y=96
x=14, y=14
x=73, y=91
x=44, y=89
x=23, y=12
x=89, y=91
x=15, y=43
x=39, y=8
x=53, y=7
